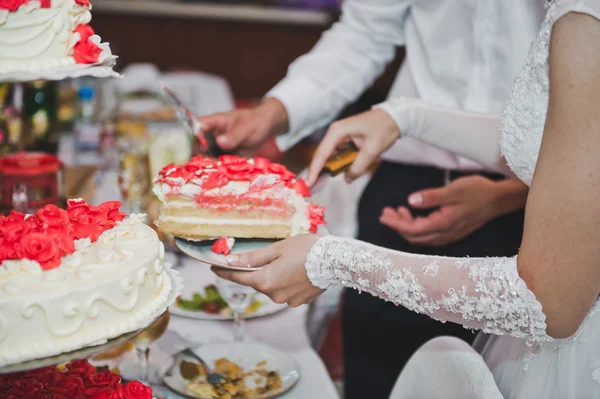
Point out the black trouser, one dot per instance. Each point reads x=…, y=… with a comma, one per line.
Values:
x=380, y=337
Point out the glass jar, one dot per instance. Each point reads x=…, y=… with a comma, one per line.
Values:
x=29, y=181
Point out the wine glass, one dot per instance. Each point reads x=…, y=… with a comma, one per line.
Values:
x=239, y=297
x=142, y=343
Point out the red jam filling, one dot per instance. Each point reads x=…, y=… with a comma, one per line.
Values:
x=50, y=234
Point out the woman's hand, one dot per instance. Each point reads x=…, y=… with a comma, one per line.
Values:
x=283, y=277
x=373, y=132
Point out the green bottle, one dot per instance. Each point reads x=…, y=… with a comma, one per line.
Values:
x=40, y=117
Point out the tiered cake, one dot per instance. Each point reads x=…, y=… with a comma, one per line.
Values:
x=234, y=197
x=76, y=277
x=46, y=34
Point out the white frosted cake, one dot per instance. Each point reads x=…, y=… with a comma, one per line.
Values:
x=46, y=34
x=233, y=197
x=76, y=277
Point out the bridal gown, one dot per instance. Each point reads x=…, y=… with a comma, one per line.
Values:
x=520, y=361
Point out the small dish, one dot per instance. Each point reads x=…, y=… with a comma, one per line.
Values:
x=247, y=356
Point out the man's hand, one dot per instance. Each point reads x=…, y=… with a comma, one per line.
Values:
x=465, y=205
x=247, y=129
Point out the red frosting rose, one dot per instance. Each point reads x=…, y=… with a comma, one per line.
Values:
x=28, y=387
x=78, y=207
x=12, y=5
x=81, y=368
x=41, y=248
x=103, y=379
x=85, y=3
x=85, y=51
x=52, y=216
x=101, y=393
x=136, y=390
x=86, y=226
x=112, y=211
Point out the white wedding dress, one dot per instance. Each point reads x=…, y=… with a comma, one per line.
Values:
x=519, y=361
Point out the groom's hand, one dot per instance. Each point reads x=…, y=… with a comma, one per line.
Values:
x=247, y=129
x=464, y=206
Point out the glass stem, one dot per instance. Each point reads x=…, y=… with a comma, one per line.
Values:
x=142, y=354
x=238, y=327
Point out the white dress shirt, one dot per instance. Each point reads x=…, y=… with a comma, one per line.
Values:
x=462, y=54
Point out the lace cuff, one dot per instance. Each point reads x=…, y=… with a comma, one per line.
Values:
x=481, y=293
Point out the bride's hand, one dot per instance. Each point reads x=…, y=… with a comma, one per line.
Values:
x=373, y=132
x=283, y=277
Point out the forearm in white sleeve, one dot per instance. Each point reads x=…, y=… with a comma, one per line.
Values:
x=346, y=60
x=469, y=134
x=481, y=293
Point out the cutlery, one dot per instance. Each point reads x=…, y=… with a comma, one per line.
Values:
x=193, y=125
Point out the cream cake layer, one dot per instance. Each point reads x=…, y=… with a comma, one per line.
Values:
x=102, y=290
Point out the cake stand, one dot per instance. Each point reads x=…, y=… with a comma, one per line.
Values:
x=76, y=354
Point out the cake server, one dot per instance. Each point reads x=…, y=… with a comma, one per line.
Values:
x=193, y=125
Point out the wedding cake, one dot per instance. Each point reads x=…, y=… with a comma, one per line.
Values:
x=76, y=277
x=47, y=34
x=234, y=197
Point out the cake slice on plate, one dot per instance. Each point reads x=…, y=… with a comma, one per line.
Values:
x=234, y=197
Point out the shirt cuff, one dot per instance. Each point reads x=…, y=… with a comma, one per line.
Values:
x=298, y=97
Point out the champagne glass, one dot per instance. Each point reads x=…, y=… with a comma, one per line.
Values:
x=239, y=297
x=142, y=343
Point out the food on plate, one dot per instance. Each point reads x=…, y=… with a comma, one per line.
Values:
x=213, y=303
x=238, y=384
x=234, y=197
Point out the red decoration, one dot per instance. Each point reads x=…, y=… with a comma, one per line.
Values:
x=38, y=171
x=49, y=234
x=85, y=51
x=220, y=246
x=79, y=380
x=85, y=3
x=13, y=5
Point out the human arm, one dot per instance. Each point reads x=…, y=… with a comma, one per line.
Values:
x=345, y=61
x=473, y=135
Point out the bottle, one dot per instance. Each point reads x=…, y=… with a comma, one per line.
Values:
x=40, y=117
x=87, y=127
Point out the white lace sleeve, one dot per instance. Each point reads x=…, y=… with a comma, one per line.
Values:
x=469, y=134
x=480, y=293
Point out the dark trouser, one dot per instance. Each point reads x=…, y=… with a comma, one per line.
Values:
x=380, y=337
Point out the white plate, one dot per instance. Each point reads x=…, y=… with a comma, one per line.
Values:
x=202, y=251
x=246, y=355
x=267, y=308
